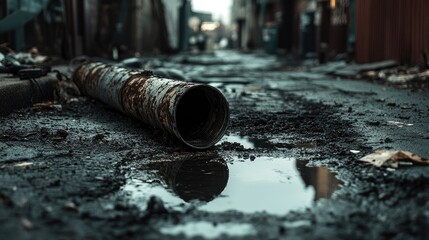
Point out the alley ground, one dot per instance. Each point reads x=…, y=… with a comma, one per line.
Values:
x=287, y=168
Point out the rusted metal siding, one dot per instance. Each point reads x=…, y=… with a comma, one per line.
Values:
x=392, y=29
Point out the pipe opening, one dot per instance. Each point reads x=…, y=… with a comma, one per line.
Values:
x=202, y=116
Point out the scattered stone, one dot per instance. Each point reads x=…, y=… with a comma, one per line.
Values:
x=71, y=206
x=26, y=223
x=60, y=135
x=374, y=123
x=406, y=107
x=44, y=132
x=98, y=137
x=23, y=164
x=155, y=206
x=282, y=230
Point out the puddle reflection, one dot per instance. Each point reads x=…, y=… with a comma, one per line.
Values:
x=272, y=185
x=200, y=178
x=252, y=143
x=320, y=178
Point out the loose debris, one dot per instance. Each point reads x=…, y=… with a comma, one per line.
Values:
x=66, y=91
x=71, y=206
x=393, y=159
x=400, y=79
x=386, y=72
x=23, y=164
x=47, y=106
x=355, y=69
x=26, y=223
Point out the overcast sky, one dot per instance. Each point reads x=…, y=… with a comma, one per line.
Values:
x=219, y=8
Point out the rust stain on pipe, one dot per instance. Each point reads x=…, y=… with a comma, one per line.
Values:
x=196, y=114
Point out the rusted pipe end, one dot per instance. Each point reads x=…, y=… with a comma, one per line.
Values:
x=202, y=116
x=196, y=114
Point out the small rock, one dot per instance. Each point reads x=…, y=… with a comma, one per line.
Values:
x=374, y=123
x=155, y=206
x=62, y=133
x=282, y=230
x=71, y=206
x=98, y=137
x=44, y=132
x=54, y=183
x=120, y=206
x=99, y=178
x=6, y=201
x=26, y=223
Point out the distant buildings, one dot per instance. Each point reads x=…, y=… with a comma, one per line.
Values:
x=397, y=29
x=362, y=30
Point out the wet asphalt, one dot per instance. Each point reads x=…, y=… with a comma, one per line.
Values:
x=285, y=169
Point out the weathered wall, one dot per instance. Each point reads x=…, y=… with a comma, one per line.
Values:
x=392, y=29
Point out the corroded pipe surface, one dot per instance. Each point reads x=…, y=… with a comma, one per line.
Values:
x=196, y=114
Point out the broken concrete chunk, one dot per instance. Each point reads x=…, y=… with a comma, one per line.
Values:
x=393, y=158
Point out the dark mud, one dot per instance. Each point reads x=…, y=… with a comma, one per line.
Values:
x=89, y=172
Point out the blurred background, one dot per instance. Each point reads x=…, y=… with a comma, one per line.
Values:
x=361, y=31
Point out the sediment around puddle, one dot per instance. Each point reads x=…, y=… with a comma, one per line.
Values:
x=275, y=185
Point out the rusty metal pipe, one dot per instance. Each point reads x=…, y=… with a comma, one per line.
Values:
x=196, y=114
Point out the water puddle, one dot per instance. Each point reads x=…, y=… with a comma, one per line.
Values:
x=265, y=184
x=252, y=143
x=209, y=230
x=247, y=142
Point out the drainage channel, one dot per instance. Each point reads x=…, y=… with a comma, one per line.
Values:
x=264, y=184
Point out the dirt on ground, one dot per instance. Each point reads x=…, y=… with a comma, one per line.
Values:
x=64, y=170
